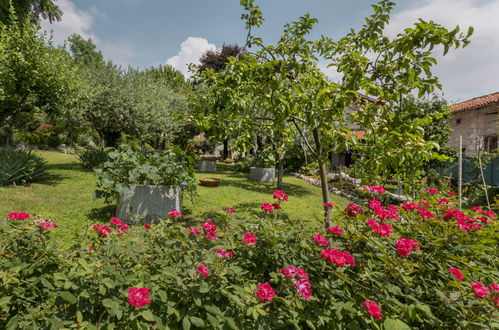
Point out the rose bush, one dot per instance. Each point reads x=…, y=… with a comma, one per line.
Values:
x=420, y=272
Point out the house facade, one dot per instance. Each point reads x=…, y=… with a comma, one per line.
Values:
x=477, y=121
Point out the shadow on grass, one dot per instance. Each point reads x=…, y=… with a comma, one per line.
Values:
x=262, y=187
x=56, y=173
x=103, y=213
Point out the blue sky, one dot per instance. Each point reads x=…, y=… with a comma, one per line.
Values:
x=151, y=32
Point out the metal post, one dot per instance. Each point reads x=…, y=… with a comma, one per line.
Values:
x=460, y=173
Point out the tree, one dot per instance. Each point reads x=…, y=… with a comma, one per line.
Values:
x=29, y=9
x=389, y=69
x=217, y=60
x=34, y=75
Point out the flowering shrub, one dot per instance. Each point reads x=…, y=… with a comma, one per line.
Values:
x=408, y=271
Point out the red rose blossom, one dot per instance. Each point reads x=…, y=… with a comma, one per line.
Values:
x=294, y=272
x=405, y=246
x=138, y=297
x=373, y=308
x=203, y=270
x=479, y=289
x=265, y=291
x=457, y=273
x=328, y=204
x=249, y=238
x=147, y=226
x=321, y=239
x=304, y=289
x=336, y=230
x=193, y=230
x=174, y=214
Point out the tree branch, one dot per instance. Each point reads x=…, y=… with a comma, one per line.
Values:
x=303, y=135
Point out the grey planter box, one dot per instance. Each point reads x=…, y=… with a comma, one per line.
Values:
x=150, y=203
x=207, y=166
x=262, y=174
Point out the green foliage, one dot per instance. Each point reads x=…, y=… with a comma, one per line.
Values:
x=263, y=159
x=34, y=75
x=29, y=9
x=242, y=165
x=20, y=166
x=80, y=288
x=126, y=166
x=92, y=158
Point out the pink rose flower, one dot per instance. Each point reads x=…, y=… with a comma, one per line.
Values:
x=221, y=253
x=278, y=194
x=304, y=289
x=321, y=239
x=479, y=289
x=405, y=246
x=18, y=216
x=340, y=258
x=265, y=291
x=249, y=238
x=457, y=273
x=328, y=204
x=147, y=226
x=174, y=214
x=294, y=272
x=43, y=224
x=373, y=308
x=353, y=210
x=210, y=230
x=266, y=207
x=138, y=297
x=193, y=230
x=230, y=209
x=203, y=270
x=336, y=230
x=432, y=191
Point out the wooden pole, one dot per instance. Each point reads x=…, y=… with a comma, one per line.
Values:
x=460, y=173
x=483, y=177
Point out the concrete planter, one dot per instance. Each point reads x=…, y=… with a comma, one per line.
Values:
x=150, y=203
x=207, y=165
x=262, y=174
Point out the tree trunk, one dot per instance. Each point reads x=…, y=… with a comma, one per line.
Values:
x=323, y=177
x=225, y=152
x=280, y=171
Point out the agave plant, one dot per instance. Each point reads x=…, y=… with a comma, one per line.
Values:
x=91, y=158
x=20, y=166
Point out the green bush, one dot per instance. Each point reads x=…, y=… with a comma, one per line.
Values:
x=242, y=165
x=126, y=166
x=91, y=158
x=194, y=280
x=20, y=166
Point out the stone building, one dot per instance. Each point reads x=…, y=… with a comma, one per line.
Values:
x=476, y=120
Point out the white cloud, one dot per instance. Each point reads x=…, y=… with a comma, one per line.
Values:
x=190, y=52
x=474, y=70
x=73, y=21
x=78, y=21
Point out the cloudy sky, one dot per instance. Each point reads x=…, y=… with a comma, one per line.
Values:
x=145, y=33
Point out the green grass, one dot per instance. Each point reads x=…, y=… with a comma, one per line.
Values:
x=66, y=197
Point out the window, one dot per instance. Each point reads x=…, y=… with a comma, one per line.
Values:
x=458, y=121
x=490, y=143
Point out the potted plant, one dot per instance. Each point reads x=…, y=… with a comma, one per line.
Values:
x=263, y=167
x=145, y=184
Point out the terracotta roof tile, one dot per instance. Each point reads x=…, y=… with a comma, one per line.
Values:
x=475, y=103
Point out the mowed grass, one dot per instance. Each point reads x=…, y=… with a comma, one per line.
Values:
x=66, y=196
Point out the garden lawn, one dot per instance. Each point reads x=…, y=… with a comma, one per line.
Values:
x=66, y=196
